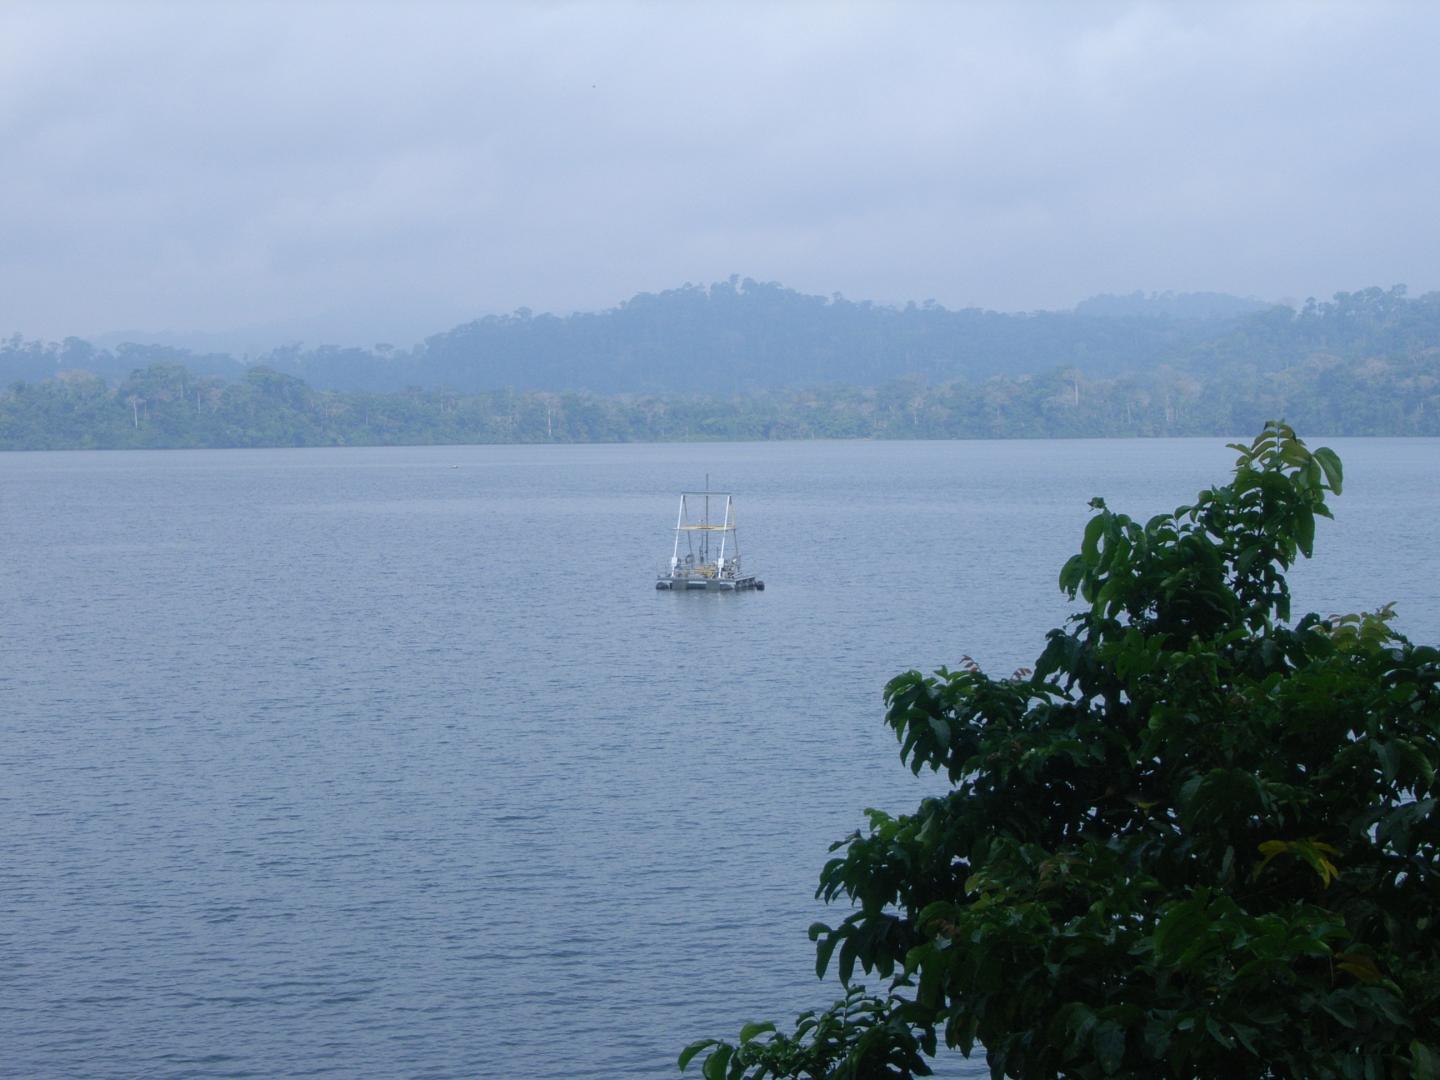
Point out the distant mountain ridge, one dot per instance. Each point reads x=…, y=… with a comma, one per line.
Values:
x=741, y=336
x=744, y=335
x=1208, y=306
x=742, y=360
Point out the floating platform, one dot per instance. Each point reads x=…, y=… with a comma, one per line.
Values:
x=706, y=553
x=707, y=584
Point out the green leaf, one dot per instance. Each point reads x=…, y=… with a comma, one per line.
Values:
x=1248, y=556
x=847, y=960
x=1181, y=924
x=749, y=1031
x=1334, y=472
x=1215, y=1032
x=1071, y=574
x=822, y=953
x=1090, y=546
x=1424, y=1063
x=1247, y=1036
x=940, y=728
x=717, y=1062
x=932, y=980
x=688, y=1054
x=1111, y=595
x=1080, y=1021
x=1389, y=759
x=1305, y=532
x=1109, y=1040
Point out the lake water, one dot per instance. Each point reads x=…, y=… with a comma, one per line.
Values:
x=392, y=762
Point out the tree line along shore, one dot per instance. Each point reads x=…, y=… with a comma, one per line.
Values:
x=741, y=360
x=168, y=407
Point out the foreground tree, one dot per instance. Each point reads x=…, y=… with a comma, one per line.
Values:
x=1198, y=841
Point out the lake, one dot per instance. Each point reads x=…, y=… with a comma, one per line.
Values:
x=392, y=762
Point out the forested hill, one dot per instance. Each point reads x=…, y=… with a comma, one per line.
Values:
x=742, y=336
x=746, y=361
x=167, y=405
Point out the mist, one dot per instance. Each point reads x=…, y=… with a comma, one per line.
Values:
x=360, y=173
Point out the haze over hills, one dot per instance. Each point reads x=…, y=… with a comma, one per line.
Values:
x=350, y=326
x=1196, y=305
x=743, y=360
x=362, y=328
x=735, y=335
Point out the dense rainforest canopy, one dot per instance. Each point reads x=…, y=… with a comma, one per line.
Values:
x=741, y=360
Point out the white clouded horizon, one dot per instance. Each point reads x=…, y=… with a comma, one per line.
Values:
x=391, y=170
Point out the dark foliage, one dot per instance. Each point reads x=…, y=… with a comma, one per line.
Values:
x=1199, y=840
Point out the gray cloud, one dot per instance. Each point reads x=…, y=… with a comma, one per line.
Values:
x=391, y=169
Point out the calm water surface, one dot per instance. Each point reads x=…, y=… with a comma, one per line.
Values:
x=391, y=762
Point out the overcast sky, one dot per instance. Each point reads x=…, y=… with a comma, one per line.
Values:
x=384, y=171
